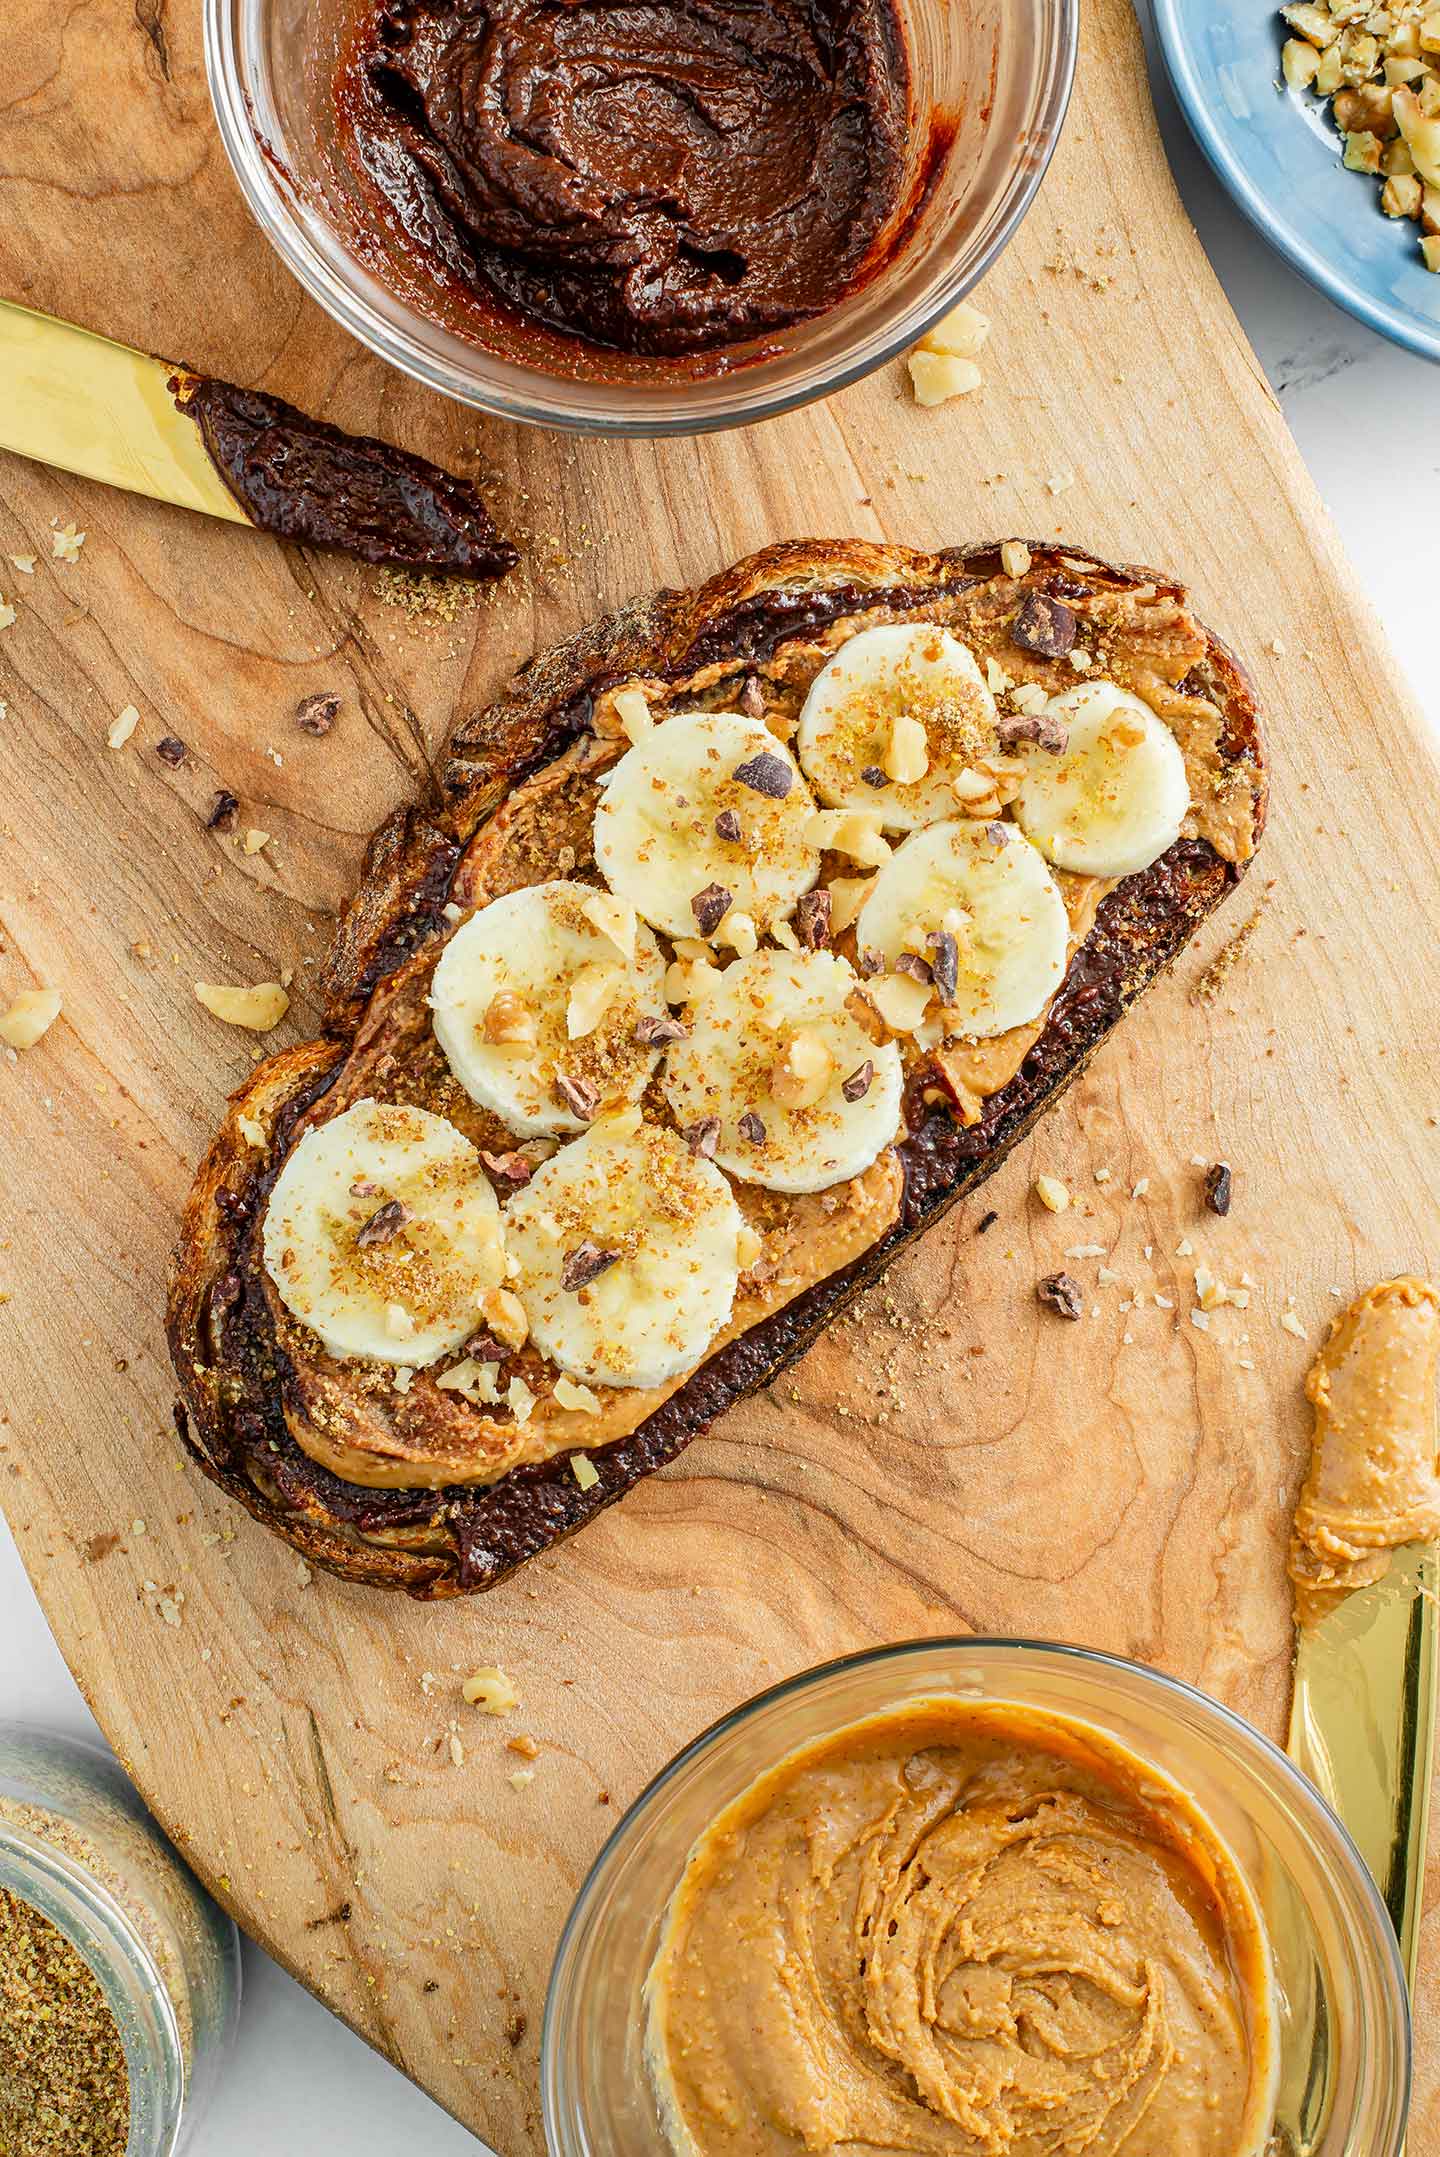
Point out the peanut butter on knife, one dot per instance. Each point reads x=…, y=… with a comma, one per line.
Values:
x=1372, y=1485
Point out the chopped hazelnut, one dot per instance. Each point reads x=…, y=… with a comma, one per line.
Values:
x=504, y=1314
x=258, y=1008
x=30, y=1015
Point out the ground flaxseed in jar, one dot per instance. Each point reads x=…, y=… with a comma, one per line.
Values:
x=64, y=2084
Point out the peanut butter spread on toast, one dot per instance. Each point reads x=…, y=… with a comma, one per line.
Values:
x=1373, y=1484
x=969, y=1929
x=447, y=1424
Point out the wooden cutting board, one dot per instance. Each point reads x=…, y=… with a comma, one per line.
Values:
x=954, y=1460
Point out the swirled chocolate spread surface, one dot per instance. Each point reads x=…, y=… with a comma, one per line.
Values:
x=308, y=481
x=658, y=178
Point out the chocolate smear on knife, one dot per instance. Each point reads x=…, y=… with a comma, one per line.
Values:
x=307, y=481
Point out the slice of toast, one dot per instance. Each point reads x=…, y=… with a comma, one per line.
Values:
x=392, y=1482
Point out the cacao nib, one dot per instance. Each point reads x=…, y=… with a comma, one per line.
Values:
x=859, y=1082
x=729, y=827
x=384, y=1225
x=812, y=919
x=945, y=966
x=766, y=774
x=1044, y=625
x=580, y=1097
x=316, y=714
x=222, y=811
x=702, y=1138
x=170, y=749
x=1043, y=728
x=874, y=776
x=710, y=907
x=585, y=1264
x=1218, y=1187
x=752, y=1128
x=509, y=1167
x=653, y=1033
x=1062, y=1293
x=910, y=962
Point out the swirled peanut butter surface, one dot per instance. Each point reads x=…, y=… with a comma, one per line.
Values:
x=966, y=1929
x=1373, y=1484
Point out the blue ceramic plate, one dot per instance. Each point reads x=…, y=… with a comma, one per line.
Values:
x=1278, y=153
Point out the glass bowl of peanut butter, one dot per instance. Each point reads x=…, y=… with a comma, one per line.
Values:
x=978, y=1896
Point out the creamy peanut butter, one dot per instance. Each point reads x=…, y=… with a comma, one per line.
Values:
x=963, y=1928
x=1373, y=1484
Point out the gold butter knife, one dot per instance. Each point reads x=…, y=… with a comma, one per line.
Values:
x=91, y=406
x=108, y=412
x=1365, y=1564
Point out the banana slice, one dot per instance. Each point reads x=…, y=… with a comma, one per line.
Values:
x=1116, y=797
x=701, y=828
x=777, y=1079
x=537, y=1000
x=382, y=1234
x=975, y=899
x=625, y=1254
x=892, y=720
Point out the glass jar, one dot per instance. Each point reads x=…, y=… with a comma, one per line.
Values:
x=77, y=1845
x=1340, y=2004
x=990, y=83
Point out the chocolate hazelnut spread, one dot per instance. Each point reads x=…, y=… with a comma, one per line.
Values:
x=968, y=1928
x=658, y=178
x=307, y=481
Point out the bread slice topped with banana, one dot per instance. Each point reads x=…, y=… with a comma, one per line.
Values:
x=749, y=929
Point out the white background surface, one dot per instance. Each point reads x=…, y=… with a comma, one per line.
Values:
x=1365, y=417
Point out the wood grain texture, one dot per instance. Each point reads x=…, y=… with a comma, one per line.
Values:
x=953, y=1459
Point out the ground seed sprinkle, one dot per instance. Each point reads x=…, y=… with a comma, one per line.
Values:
x=64, y=2086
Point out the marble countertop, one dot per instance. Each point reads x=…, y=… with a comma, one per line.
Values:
x=1358, y=408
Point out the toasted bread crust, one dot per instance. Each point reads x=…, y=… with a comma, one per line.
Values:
x=221, y=1340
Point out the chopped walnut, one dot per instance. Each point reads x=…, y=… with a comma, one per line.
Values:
x=507, y=1022
x=1380, y=67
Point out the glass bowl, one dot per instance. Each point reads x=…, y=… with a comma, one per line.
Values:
x=77, y=1845
x=990, y=80
x=1342, y=2015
